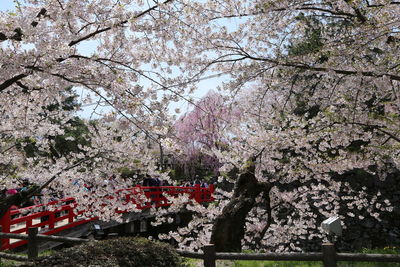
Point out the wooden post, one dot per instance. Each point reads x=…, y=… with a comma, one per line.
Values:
x=143, y=226
x=129, y=227
x=328, y=255
x=209, y=255
x=33, y=244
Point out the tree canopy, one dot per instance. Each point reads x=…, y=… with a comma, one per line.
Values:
x=316, y=82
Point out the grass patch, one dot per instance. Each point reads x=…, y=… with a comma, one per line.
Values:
x=7, y=263
x=191, y=262
x=249, y=263
x=386, y=250
x=276, y=264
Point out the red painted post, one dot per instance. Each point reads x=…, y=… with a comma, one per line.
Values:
x=71, y=214
x=197, y=193
x=159, y=196
x=5, y=228
x=29, y=223
x=51, y=219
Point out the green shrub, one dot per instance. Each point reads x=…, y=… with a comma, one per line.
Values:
x=125, y=251
x=7, y=263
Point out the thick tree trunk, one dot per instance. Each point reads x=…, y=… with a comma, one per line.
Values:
x=229, y=227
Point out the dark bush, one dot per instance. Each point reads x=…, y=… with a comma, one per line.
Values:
x=124, y=251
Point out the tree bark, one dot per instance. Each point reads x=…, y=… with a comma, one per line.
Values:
x=229, y=227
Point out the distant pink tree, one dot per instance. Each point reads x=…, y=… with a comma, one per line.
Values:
x=201, y=130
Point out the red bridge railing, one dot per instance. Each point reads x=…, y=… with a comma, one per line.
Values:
x=60, y=215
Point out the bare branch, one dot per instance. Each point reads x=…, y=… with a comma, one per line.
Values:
x=11, y=81
x=90, y=35
x=325, y=69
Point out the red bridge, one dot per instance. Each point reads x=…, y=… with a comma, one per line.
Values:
x=61, y=215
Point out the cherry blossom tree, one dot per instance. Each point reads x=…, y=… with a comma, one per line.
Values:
x=41, y=58
x=317, y=83
x=199, y=130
